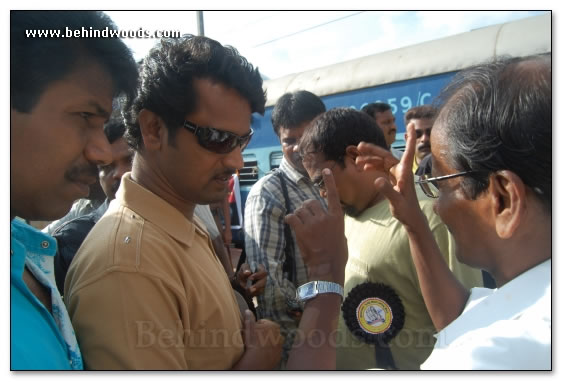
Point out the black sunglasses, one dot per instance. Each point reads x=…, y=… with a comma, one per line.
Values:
x=218, y=141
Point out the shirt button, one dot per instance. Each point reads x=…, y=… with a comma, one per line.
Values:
x=127, y=240
x=45, y=244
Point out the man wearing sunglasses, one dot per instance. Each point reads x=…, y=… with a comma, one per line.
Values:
x=379, y=260
x=492, y=152
x=146, y=290
x=423, y=118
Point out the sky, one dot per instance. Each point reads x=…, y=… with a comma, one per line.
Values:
x=285, y=42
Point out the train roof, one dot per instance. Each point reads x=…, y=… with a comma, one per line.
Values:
x=517, y=38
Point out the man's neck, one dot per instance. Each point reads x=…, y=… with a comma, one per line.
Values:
x=300, y=171
x=375, y=197
x=148, y=177
x=527, y=248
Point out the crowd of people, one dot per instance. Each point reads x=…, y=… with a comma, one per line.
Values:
x=358, y=255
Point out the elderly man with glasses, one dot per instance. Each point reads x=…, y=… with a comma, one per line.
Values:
x=491, y=147
x=384, y=322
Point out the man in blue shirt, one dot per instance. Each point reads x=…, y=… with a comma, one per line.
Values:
x=61, y=95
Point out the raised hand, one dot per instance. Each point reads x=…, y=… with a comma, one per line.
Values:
x=320, y=235
x=399, y=189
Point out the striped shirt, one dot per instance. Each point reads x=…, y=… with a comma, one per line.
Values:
x=265, y=241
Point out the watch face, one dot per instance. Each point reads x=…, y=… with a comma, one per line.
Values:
x=306, y=291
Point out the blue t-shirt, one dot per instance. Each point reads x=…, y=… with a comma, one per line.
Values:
x=39, y=340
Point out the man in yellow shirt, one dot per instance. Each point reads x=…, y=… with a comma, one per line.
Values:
x=384, y=321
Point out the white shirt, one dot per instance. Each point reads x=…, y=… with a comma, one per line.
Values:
x=203, y=212
x=500, y=329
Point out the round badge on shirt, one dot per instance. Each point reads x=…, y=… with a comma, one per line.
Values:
x=373, y=312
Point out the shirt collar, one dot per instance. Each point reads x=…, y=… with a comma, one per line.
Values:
x=155, y=209
x=32, y=239
x=385, y=218
x=509, y=300
x=24, y=239
x=292, y=173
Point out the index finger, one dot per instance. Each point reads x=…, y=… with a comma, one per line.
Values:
x=332, y=197
x=408, y=155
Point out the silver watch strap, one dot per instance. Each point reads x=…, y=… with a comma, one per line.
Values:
x=329, y=287
x=314, y=288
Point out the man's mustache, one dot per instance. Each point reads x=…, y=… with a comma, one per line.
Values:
x=423, y=146
x=84, y=174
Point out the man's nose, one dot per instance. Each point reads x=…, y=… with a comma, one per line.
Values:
x=425, y=137
x=234, y=159
x=98, y=149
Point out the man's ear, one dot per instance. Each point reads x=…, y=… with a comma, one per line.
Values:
x=508, y=195
x=352, y=153
x=152, y=129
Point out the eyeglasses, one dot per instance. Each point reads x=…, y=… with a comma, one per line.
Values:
x=218, y=141
x=432, y=191
x=320, y=184
x=421, y=131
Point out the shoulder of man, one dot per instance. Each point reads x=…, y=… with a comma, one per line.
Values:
x=121, y=241
x=269, y=184
x=427, y=206
x=425, y=166
x=75, y=230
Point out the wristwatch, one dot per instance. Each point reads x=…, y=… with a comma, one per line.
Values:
x=313, y=288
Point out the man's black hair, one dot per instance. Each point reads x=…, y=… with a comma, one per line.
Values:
x=166, y=85
x=115, y=127
x=331, y=132
x=36, y=62
x=497, y=116
x=293, y=109
x=420, y=112
x=375, y=107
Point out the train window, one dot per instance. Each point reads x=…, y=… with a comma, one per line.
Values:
x=275, y=159
x=248, y=175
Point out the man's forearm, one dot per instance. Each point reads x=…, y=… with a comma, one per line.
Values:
x=315, y=341
x=444, y=296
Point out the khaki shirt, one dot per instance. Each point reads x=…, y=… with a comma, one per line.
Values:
x=146, y=291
